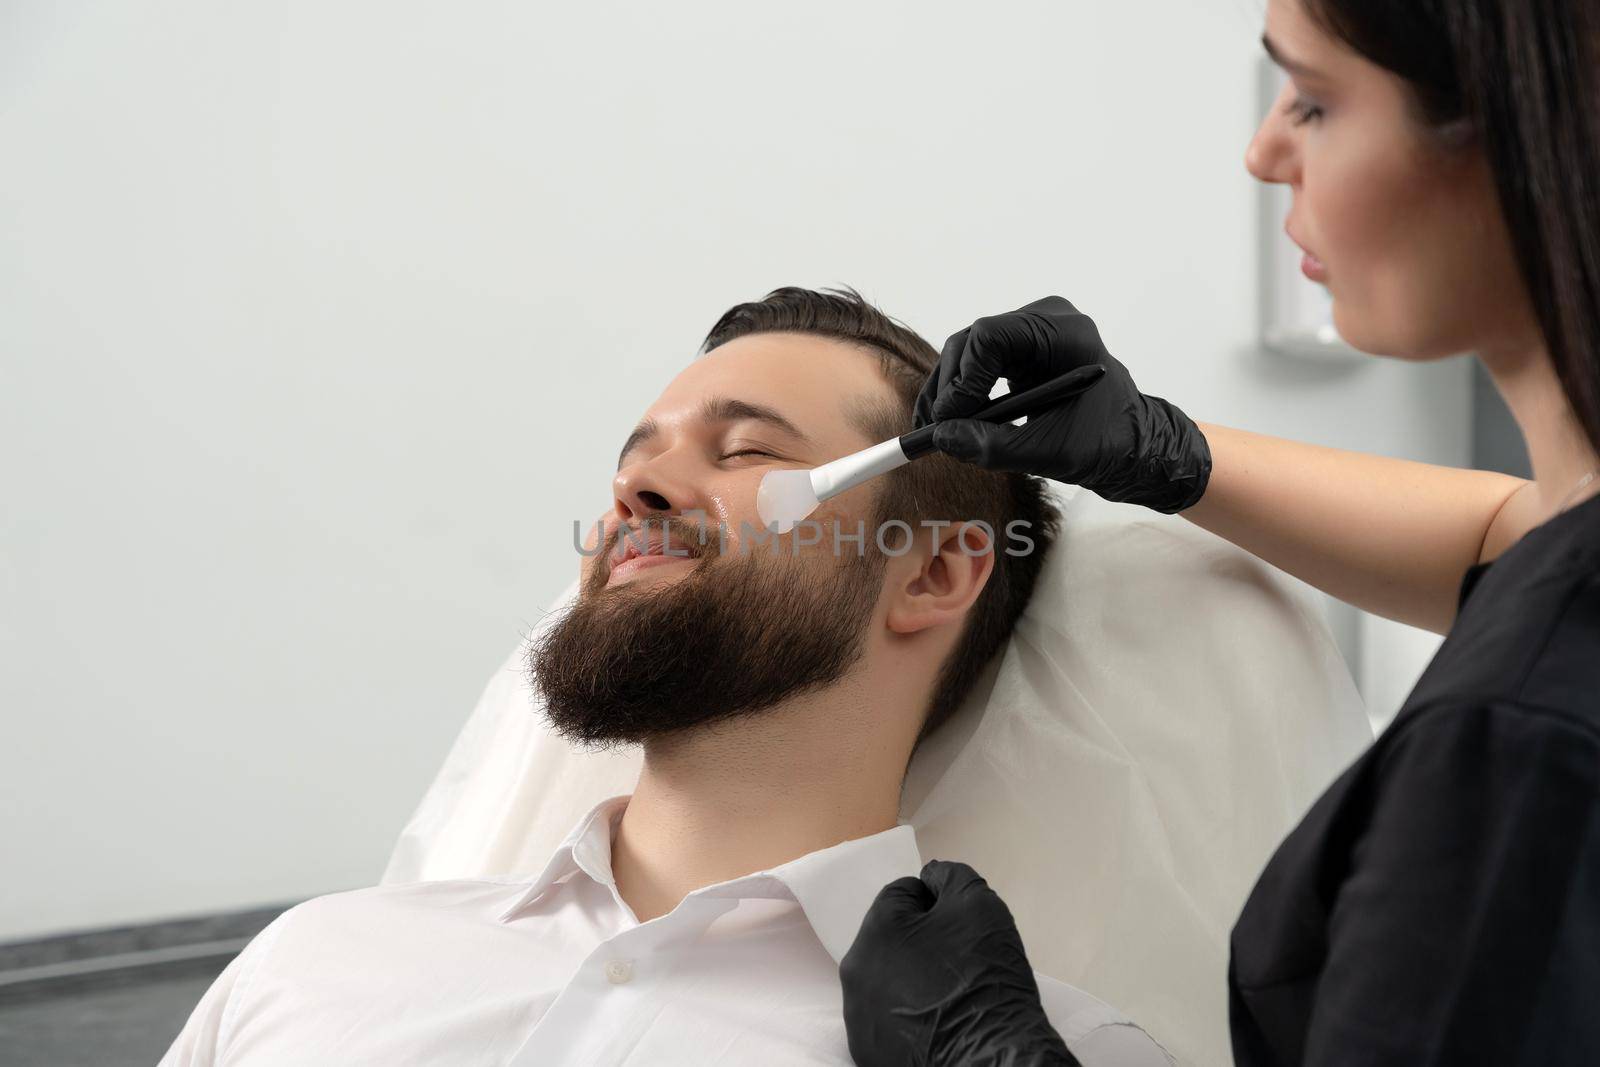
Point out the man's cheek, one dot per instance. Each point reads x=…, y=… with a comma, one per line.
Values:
x=589, y=556
x=837, y=532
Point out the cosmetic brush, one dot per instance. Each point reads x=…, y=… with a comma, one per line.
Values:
x=788, y=496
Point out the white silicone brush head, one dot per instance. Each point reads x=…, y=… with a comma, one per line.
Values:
x=785, y=497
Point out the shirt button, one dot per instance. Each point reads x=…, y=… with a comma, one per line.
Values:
x=619, y=971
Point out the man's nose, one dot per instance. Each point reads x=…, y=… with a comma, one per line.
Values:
x=651, y=489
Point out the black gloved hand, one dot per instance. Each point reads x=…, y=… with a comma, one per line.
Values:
x=1111, y=438
x=937, y=977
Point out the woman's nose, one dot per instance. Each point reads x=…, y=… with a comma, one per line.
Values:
x=1271, y=155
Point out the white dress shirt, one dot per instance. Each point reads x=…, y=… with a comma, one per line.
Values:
x=560, y=971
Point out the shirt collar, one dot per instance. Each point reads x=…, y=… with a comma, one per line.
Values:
x=587, y=848
x=834, y=886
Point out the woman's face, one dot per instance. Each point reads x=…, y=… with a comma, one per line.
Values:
x=1404, y=230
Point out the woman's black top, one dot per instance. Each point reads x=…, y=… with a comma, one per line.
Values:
x=1440, y=904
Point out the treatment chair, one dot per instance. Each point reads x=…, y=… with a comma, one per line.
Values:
x=1166, y=710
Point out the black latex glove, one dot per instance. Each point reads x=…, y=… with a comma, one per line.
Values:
x=1111, y=438
x=937, y=977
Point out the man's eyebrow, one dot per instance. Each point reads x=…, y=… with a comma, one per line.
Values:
x=720, y=409
x=1293, y=66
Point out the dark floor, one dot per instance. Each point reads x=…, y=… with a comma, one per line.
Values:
x=113, y=997
x=104, y=1024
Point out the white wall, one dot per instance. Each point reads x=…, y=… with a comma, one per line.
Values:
x=320, y=322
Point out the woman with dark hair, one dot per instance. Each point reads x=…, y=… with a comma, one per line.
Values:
x=1440, y=904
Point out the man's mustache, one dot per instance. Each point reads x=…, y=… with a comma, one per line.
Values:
x=681, y=537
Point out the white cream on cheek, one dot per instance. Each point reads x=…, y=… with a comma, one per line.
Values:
x=729, y=503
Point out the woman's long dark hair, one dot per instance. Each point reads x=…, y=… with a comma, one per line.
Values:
x=1523, y=78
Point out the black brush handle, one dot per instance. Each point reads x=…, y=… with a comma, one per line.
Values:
x=1013, y=405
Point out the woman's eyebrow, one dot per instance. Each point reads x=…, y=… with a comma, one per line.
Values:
x=719, y=409
x=1293, y=66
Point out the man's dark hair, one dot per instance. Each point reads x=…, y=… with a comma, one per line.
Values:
x=935, y=487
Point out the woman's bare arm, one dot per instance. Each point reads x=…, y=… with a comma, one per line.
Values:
x=1390, y=536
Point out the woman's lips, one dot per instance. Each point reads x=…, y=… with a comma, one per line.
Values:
x=634, y=564
x=1310, y=266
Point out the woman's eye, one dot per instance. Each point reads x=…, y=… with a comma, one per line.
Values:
x=747, y=452
x=1303, y=111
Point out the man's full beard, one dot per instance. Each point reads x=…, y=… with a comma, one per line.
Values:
x=734, y=635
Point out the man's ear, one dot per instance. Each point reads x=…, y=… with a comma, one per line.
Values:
x=938, y=583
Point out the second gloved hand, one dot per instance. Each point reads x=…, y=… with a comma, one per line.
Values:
x=1111, y=439
x=937, y=977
